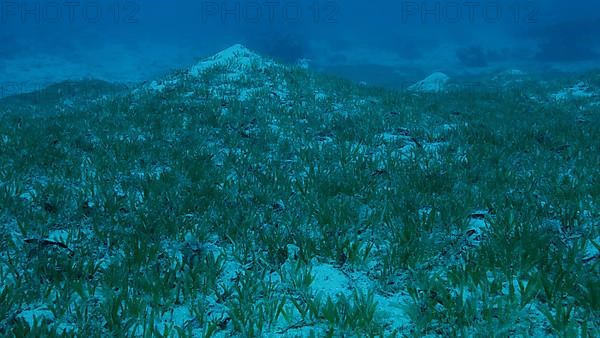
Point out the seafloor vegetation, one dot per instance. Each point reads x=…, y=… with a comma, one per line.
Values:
x=246, y=198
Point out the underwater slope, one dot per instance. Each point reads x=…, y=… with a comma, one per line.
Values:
x=242, y=197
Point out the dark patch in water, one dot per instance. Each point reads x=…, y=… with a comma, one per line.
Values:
x=9, y=48
x=473, y=56
x=568, y=41
x=287, y=47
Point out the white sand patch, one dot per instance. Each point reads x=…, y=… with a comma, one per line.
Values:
x=333, y=282
x=509, y=73
x=330, y=281
x=592, y=250
x=157, y=87
x=58, y=236
x=579, y=90
x=434, y=83
x=435, y=147
x=36, y=315
x=514, y=72
x=388, y=137
x=236, y=58
x=391, y=311
x=303, y=63
x=320, y=96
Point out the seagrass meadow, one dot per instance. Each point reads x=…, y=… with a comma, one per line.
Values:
x=245, y=197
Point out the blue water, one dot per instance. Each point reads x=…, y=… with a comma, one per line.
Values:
x=378, y=42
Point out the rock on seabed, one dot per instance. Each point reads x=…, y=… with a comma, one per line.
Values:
x=434, y=83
